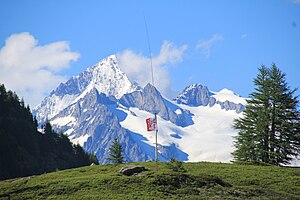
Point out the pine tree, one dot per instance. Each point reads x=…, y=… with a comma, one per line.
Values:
x=269, y=129
x=47, y=128
x=284, y=127
x=115, y=152
x=25, y=151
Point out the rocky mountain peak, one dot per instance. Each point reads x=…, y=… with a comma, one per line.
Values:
x=194, y=95
x=199, y=95
x=105, y=76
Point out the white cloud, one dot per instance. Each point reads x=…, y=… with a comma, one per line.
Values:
x=32, y=70
x=243, y=36
x=296, y=1
x=206, y=45
x=138, y=67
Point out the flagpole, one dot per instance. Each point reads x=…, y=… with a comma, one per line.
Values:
x=156, y=149
x=149, y=48
x=152, y=76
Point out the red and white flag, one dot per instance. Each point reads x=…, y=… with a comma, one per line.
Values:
x=151, y=124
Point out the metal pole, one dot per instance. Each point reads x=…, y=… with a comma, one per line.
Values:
x=156, y=149
x=149, y=47
x=152, y=77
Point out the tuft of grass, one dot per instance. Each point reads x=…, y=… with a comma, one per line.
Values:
x=200, y=181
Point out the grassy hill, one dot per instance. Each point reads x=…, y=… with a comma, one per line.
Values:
x=200, y=181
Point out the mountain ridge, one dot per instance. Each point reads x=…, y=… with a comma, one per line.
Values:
x=199, y=95
x=93, y=108
x=99, y=76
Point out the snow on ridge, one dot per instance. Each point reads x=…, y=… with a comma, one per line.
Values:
x=226, y=91
x=210, y=138
x=109, y=79
x=63, y=121
x=80, y=140
x=105, y=76
x=228, y=95
x=192, y=86
x=109, y=59
x=52, y=105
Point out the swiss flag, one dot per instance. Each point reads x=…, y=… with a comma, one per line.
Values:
x=151, y=124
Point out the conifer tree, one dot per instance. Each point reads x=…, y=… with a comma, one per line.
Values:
x=24, y=150
x=269, y=130
x=115, y=152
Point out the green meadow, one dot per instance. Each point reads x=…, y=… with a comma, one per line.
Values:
x=200, y=181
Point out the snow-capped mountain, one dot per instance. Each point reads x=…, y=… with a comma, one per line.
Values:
x=102, y=103
x=105, y=76
x=198, y=95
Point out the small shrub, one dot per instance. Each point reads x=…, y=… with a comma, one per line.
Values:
x=175, y=165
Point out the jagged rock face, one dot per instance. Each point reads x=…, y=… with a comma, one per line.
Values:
x=80, y=117
x=74, y=85
x=104, y=134
x=149, y=99
x=198, y=95
x=227, y=105
x=93, y=118
x=104, y=76
x=194, y=95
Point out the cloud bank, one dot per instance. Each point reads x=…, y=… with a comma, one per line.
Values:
x=138, y=67
x=206, y=45
x=32, y=70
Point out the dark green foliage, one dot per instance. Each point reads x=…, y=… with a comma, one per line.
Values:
x=269, y=131
x=115, y=152
x=175, y=165
x=25, y=151
x=186, y=184
x=180, y=180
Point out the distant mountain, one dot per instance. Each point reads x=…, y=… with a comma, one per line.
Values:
x=102, y=103
x=198, y=95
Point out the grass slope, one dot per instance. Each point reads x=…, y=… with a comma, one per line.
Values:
x=201, y=181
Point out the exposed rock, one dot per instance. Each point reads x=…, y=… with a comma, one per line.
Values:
x=212, y=101
x=150, y=99
x=99, y=123
x=194, y=95
x=227, y=105
x=105, y=76
x=198, y=95
x=173, y=151
x=129, y=170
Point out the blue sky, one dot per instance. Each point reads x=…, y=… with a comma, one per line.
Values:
x=219, y=44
